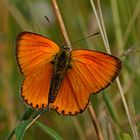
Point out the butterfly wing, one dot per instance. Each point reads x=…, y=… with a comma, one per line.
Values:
x=90, y=72
x=34, y=55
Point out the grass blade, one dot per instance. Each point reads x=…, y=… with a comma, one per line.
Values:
x=21, y=129
x=49, y=131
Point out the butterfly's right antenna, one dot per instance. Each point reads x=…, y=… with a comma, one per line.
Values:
x=85, y=38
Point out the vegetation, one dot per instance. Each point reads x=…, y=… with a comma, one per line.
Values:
x=116, y=108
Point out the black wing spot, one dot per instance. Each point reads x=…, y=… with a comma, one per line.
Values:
x=56, y=108
x=23, y=96
x=81, y=111
x=43, y=105
x=26, y=100
x=63, y=112
x=70, y=113
x=37, y=106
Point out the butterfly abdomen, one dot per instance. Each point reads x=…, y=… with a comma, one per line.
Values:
x=61, y=64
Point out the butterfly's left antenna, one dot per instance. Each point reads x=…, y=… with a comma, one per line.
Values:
x=47, y=19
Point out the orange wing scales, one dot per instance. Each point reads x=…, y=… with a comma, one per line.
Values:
x=34, y=55
x=34, y=50
x=36, y=87
x=100, y=68
x=90, y=73
x=71, y=98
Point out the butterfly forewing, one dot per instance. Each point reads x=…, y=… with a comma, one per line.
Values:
x=34, y=55
x=90, y=72
x=98, y=68
x=33, y=51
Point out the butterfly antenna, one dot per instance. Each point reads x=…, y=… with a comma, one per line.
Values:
x=85, y=38
x=47, y=19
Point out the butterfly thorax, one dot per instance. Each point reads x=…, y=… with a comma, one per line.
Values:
x=61, y=64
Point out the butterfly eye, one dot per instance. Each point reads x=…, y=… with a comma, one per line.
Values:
x=65, y=47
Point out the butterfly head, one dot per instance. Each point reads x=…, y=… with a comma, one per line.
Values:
x=66, y=48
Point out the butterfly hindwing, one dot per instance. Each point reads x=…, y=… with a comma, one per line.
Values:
x=90, y=72
x=35, y=54
x=35, y=88
x=71, y=98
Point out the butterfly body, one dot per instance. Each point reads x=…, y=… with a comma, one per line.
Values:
x=60, y=79
x=61, y=64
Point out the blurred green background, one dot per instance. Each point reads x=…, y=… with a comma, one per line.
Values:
x=122, y=23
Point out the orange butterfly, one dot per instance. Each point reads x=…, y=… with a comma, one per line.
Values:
x=59, y=79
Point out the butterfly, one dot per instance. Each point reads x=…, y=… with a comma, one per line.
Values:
x=60, y=79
